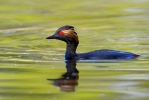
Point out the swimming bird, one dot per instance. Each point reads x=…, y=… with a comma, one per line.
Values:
x=68, y=34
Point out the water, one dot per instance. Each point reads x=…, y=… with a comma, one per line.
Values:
x=32, y=67
x=50, y=80
x=35, y=79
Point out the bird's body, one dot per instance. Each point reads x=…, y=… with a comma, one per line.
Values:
x=68, y=35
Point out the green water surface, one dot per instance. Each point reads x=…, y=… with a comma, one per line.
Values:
x=29, y=63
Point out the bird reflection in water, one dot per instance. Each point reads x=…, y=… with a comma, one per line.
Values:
x=69, y=80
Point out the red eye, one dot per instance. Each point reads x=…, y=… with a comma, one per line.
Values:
x=61, y=32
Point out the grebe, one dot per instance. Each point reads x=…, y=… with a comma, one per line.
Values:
x=68, y=35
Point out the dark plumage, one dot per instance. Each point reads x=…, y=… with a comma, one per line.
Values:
x=68, y=35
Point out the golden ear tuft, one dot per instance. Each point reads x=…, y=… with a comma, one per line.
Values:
x=71, y=33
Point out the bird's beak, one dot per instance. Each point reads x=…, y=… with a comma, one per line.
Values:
x=51, y=37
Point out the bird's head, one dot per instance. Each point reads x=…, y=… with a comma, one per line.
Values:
x=66, y=34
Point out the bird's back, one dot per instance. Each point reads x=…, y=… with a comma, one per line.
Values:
x=106, y=54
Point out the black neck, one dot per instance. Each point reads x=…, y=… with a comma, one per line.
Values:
x=71, y=51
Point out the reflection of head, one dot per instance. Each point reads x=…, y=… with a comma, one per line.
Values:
x=67, y=83
x=69, y=80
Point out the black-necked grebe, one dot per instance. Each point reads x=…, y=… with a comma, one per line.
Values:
x=68, y=35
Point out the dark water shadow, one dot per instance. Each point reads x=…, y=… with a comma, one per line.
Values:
x=69, y=80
